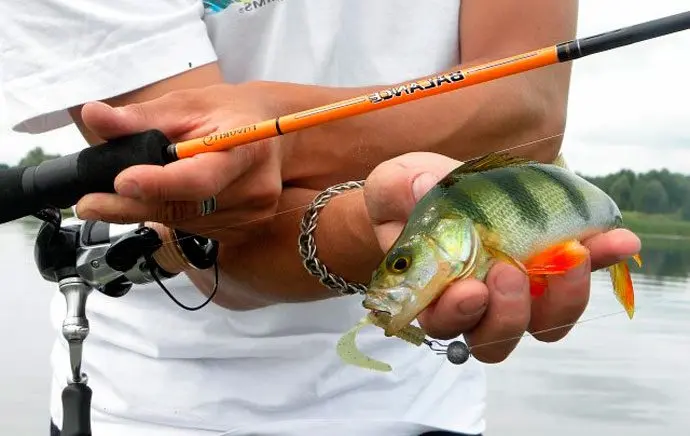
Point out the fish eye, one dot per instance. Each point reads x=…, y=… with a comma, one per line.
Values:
x=401, y=264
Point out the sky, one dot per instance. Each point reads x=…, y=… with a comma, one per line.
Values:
x=627, y=107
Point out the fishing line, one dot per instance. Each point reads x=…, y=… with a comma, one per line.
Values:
x=527, y=334
x=433, y=85
x=345, y=194
x=285, y=212
x=433, y=344
x=62, y=181
x=554, y=54
x=458, y=351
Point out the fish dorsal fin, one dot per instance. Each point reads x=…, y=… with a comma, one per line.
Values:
x=487, y=162
x=492, y=161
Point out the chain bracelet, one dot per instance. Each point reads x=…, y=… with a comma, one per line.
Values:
x=307, y=242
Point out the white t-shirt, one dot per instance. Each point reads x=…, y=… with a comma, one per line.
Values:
x=157, y=369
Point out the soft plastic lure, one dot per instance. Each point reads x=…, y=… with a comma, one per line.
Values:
x=347, y=346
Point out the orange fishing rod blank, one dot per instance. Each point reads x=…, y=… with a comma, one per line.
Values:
x=392, y=96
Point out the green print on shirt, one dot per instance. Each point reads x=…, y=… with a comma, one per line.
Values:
x=214, y=6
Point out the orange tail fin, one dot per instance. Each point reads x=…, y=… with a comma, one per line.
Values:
x=557, y=259
x=622, y=284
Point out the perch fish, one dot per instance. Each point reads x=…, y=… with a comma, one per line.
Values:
x=496, y=207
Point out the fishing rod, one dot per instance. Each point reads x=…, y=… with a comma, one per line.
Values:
x=61, y=182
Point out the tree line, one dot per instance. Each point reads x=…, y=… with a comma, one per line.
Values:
x=33, y=157
x=656, y=191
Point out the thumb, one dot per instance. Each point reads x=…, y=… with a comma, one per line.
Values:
x=422, y=184
x=395, y=186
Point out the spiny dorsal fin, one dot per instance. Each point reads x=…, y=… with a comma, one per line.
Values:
x=500, y=159
x=487, y=162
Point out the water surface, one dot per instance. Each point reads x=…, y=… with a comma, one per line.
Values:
x=610, y=375
x=26, y=335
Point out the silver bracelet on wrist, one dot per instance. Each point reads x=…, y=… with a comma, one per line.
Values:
x=307, y=242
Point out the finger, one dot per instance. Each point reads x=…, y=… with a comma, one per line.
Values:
x=250, y=193
x=191, y=179
x=507, y=315
x=612, y=247
x=564, y=302
x=182, y=215
x=171, y=114
x=458, y=310
x=390, y=192
x=114, y=208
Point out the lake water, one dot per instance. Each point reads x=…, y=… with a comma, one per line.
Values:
x=609, y=376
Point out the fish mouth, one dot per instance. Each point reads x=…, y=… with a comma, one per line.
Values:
x=400, y=313
x=371, y=304
x=421, y=299
x=378, y=304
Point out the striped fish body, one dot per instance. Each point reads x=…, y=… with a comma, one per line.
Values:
x=497, y=207
x=529, y=207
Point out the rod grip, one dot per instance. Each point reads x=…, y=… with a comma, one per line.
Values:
x=61, y=182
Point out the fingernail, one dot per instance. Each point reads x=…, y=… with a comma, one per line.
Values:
x=510, y=281
x=422, y=184
x=128, y=189
x=472, y=305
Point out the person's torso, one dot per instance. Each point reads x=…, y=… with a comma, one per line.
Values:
x=152, y=361
x=335, y=42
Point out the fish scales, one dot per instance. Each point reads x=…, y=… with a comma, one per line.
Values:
x=531, y=205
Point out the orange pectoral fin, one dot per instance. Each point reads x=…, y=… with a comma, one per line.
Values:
x=557, y=259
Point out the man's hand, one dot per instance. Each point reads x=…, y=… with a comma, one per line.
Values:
x=502, y=309
x=246, y=180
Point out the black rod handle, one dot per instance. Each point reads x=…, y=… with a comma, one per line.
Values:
x=61, y=182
